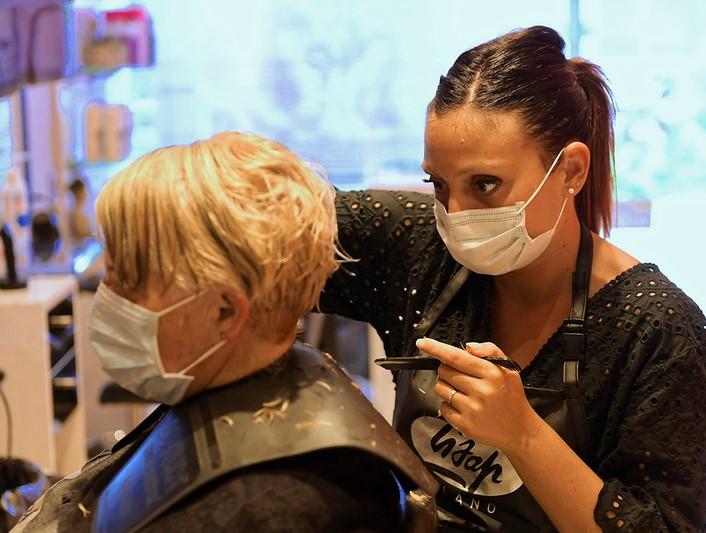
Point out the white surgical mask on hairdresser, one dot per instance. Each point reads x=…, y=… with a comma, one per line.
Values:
x=494, y=241
x=124, y=335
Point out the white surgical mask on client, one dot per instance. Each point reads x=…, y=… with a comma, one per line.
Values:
x=493, y=241
x=124, y=335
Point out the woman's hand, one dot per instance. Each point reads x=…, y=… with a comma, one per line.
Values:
x=490, y=405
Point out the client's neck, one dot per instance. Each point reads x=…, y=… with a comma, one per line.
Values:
x=250, y=354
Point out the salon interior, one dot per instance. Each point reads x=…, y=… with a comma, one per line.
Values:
x=87, y=86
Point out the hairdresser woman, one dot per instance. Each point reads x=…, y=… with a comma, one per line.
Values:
x=506, y=261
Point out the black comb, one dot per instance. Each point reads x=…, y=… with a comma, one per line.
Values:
x=425, y=362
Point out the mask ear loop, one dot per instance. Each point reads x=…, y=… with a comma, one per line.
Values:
x=170, y=309
x=546, y=177
x=180, y=303
x=561, y=213
x=206, y=355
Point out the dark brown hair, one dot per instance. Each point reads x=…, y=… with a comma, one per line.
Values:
x=559, y=100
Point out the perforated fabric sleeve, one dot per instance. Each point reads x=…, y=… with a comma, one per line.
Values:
x=644, y=381
x=400, y=263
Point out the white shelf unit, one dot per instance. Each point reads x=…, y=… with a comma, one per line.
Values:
x=30, y=379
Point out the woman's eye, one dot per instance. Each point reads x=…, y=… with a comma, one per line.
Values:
x=436, y=184
x=487, y=185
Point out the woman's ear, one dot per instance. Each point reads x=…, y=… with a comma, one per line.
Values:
x=233, y=313
x=577, y=159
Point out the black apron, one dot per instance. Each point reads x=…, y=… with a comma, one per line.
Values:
x=480, y=490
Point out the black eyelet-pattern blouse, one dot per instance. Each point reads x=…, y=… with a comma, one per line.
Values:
x=644, y=381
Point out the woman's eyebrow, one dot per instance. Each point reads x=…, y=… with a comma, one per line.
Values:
x=491, y=168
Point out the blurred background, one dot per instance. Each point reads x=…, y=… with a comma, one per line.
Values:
x=87, y=86
x=346, y=84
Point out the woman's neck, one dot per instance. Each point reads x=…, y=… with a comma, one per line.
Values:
x=548, y=278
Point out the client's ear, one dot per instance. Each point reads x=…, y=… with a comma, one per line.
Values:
x=234, y=310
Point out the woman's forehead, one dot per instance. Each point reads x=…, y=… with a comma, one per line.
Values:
x=468, y=137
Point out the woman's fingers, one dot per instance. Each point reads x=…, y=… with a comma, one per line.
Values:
x=451, y=396
x=456, y=411
x=444, y=390
x=460, y=359
x=452, y=356
x=452, y=416
x=483, y=401
x=459, y=380
x=484, y=349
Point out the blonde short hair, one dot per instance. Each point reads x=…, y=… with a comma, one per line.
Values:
x=234, y=211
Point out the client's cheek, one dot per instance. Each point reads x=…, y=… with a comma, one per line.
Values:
x=171, y=352
x=181, y=346
x=174, y=342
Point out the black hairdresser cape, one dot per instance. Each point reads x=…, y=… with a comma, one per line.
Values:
x=644, y=377
x=295, y=447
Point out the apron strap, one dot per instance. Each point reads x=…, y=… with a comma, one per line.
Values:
x=434, y=312
x=573, y=333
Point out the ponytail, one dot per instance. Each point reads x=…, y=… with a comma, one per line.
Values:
x=594, y=204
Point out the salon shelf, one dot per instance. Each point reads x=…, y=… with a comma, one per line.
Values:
x=43, y=379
